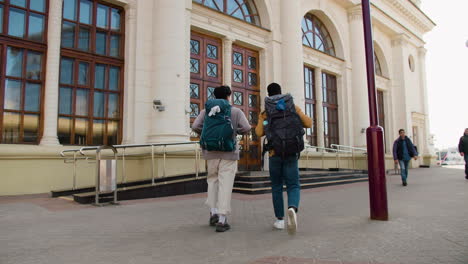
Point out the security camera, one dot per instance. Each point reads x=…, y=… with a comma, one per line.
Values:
x=157, y=105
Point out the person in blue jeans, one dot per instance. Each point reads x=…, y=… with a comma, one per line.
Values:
x=463, y=149
x=403, y=152
x=283, y=170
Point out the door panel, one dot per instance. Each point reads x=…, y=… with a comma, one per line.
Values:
x=246, y=96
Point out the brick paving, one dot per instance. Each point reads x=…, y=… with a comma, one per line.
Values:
x=428, y=224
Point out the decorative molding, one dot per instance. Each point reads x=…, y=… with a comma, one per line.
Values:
x=355, y=13
x=400, y=40
x=412, y=13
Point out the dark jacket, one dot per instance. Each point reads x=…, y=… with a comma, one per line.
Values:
x=398, y=148
x=463, y=145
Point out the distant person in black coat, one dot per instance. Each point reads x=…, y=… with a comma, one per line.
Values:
x=463, y=149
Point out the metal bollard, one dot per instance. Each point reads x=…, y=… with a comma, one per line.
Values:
x=106, y=174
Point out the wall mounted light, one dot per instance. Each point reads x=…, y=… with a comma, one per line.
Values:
x=157, y=105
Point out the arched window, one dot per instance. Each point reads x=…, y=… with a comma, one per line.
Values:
x=378, y=69
x=316, y=36
x=241, y=9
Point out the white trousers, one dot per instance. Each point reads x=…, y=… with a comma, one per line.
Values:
x=221, y=174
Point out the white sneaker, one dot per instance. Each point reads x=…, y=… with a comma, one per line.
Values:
x=292, y=221
x=279, y=224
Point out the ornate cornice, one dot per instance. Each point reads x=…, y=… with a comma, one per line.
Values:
x=412, y=13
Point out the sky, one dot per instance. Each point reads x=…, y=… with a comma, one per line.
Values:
x=447, y=70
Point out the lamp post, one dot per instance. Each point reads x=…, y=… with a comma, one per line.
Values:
x=374, y=133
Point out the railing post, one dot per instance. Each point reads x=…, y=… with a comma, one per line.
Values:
x=74, y=170
x=124, y=174
x=152, y=164
x=337, y=159
x=323, y=161
x=352, y=154
x=164, y=161
x=197, y=162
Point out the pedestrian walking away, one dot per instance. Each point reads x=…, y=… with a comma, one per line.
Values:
x=283, y=124
x=463, y=149
x=219, y=123
x=403, y=152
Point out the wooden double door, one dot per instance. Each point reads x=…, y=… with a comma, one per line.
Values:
x=206, y=67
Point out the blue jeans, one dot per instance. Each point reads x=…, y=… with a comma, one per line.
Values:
x=404, y=169
x=466, y=164
x=284, y=171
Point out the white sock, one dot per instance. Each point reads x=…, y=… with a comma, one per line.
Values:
x=214, y=211
x=222, y=219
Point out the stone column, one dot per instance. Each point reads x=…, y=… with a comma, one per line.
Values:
x=227, y=61
x=130, y=74
x=171, y=37
x=51, y=88
x=319, y=107
x=360, y=104
x=401, y=115
x=422, y=78
x=292, y=51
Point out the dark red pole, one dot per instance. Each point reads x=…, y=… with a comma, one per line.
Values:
x=374, y=133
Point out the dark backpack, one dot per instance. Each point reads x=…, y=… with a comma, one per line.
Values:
x=284, y=130
x=217, y=133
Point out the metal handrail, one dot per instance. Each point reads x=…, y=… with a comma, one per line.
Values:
x=124, y=147
x=337, y=150
x=353, y=149
x=347, y=147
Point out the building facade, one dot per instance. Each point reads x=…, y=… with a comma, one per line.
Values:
x=88, y=72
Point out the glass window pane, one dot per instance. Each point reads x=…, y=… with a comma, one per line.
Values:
x=115, y=46
x=98, y=132
x=36, y=27
x=37, y=5
x=68, y=34
x=66, y=71
x=112, y=132
x=14, y=65
x=21, y=3
x=83, y=39
x=101, y=43
x=32, y=97
x=99, y=76
x=65, y=101
x=102, y=16
x=69, y=9
x=30, y=128
x=81, y=130
x=64, y=130
x=12, y=99
x=99, y=104
x=114, y=78
x=115, y=19
x=34, y=65
x=86, y=14
x=16, y=23
x=113, y=106
x=1, y=18
x=11, y=128
x=81, y=107
x=83, y=73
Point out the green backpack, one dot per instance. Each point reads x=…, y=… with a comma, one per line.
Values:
x=217, y=133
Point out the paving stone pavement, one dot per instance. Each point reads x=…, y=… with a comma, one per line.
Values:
x=428, y=224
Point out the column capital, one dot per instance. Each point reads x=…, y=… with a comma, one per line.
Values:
x=400, y=40
x=422, y=51
x=355, y=13
x=228, y=39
